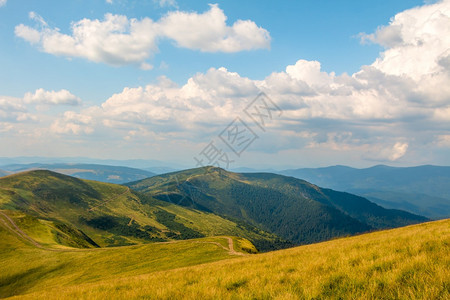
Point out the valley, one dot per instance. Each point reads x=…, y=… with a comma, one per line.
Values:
x=100, y=240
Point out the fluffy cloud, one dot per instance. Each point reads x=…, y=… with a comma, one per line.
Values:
x=31, y=35
x=23, y=115
x=73, y=123
x=208, y=32
x=62, y=97
x=206, y=98
x=416, y=41
x=389, y=111
x=310, y=73
x=2, y=2
x=387, y=152
x=117, y=40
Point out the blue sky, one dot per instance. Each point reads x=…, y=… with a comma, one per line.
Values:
x=348, y=75
x=313, y=30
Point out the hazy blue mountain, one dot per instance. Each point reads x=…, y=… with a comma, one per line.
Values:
x=104, y=173
x=161, y=170
x=423, y=190
x=252, y=170
x=293, y=209
x=131, y=163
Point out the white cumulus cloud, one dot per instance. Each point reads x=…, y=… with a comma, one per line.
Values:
x=41, y=96
x=2, y=2
x=73, y=123
x=414, y=39
x=209, y=32
x=117, y=40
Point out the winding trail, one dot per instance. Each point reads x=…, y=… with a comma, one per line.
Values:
x=12, y=226
x=9, y=223
x=231, y=247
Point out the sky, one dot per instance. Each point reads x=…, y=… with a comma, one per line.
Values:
x=261, y=84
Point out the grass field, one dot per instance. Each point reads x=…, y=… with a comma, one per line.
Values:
x=406, y=263
x=26, y=268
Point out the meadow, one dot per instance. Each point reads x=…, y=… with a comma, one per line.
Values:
x=25, y=268
x=412, y=262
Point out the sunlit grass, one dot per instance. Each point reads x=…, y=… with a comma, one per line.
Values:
x=406, y=263
x=25, y=268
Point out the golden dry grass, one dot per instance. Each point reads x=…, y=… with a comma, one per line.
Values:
x=406, y=263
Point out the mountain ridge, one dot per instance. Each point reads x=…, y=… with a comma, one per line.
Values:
x=110, y=214
x=306, y=214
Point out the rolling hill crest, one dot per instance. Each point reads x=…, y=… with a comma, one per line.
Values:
x=80, y=213
x=291, y=208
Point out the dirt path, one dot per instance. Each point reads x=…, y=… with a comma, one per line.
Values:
x=12, y=226
x=231, y=247
x=9, y=223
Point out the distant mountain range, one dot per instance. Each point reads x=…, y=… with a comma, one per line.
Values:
x=104, y=173
x=131, y=163
x=423, y=190
x=272, y=211
x=293, y=209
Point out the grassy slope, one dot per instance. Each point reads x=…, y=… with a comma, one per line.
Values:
x=95, y=208
x=406, y=263
x=46, y=233
x=25, y=268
